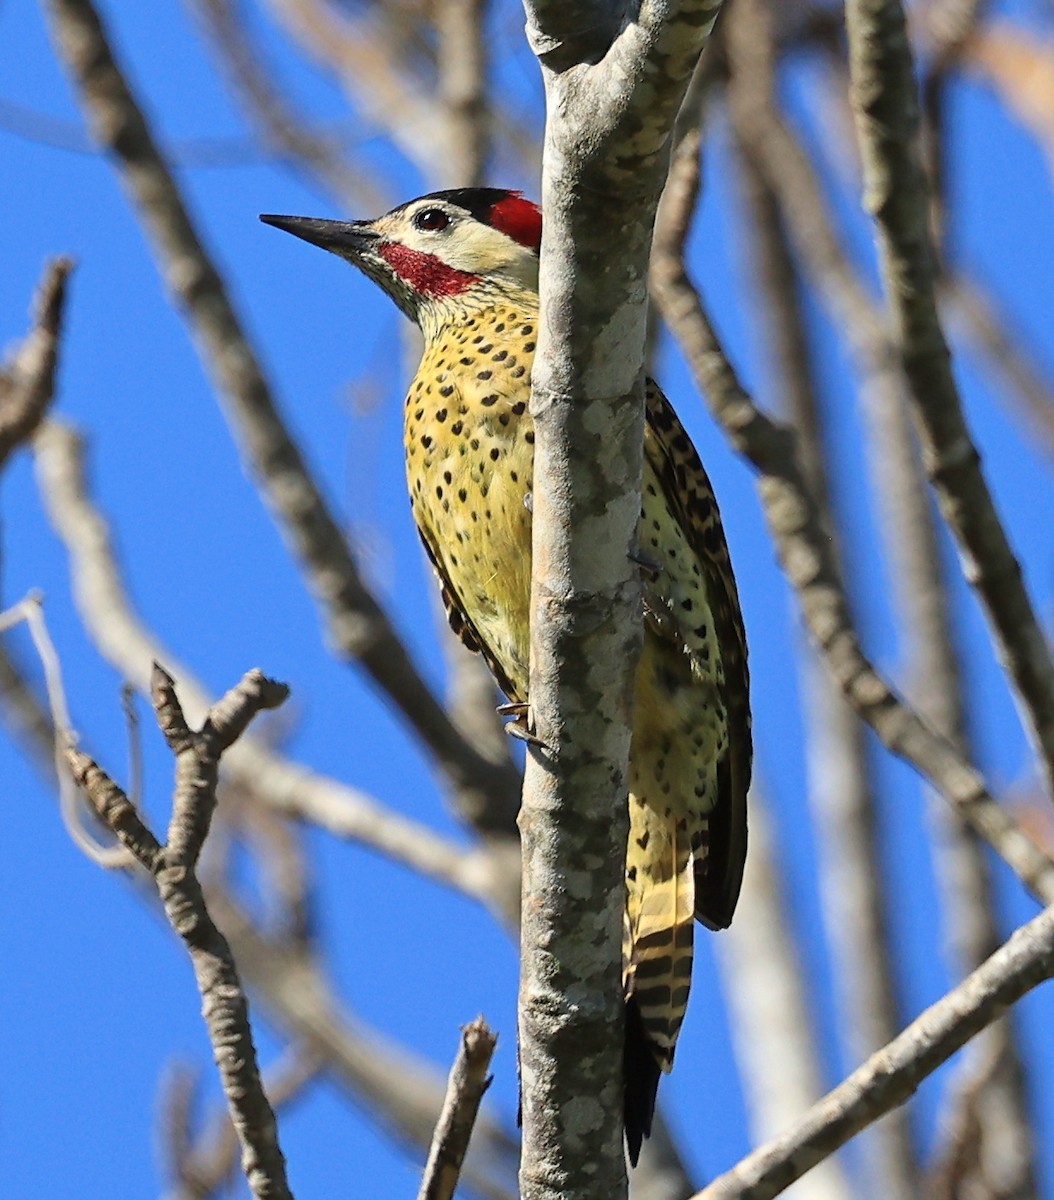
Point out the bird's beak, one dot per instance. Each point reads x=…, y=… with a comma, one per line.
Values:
x=347, y=238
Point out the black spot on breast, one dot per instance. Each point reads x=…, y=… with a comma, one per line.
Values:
x=495, y=453
x=519, y=408
x=484, y=374
x=528, y=437
x=440, y=415
x=456, y=428
x=489, y=401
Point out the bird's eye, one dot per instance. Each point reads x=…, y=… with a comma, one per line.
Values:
x=431, y=220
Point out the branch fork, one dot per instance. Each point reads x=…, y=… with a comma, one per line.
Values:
x=173, y=867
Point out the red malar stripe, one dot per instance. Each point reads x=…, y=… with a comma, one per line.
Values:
x=425, y=273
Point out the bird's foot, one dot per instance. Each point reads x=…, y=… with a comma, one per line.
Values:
x=650, y=569
x=520, y=725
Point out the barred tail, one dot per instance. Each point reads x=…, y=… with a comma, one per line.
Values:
x=657, y=957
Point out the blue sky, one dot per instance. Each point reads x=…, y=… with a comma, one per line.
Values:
x=97, y=999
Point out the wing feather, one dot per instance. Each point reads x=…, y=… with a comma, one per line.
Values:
x=719, y=872
x=461, y=623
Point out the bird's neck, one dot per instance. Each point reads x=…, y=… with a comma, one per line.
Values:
x=446, y=313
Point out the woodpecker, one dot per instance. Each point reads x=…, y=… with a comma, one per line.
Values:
x=463, y=264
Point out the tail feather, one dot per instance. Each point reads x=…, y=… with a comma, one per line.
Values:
x=641, y=1074
x=657, y=957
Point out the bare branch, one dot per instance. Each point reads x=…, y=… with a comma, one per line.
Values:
x=893, y=1074
x=173, y=868
x=1001, y=1141
x=400, y=1091
x=275, y=780
x=464, y=1091
x=842, y=786
x=356, y=624
x=884, y=97
x=59, y=730
x=27, y=379
x=396, y=1089
x=802, y=543
x=203, y=1166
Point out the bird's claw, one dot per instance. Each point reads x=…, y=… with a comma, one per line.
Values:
x=518, y=727
x=650, y=568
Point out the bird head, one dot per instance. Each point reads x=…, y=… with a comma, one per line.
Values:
x=440, y=251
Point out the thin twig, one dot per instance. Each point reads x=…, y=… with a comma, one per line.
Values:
x=61, y=731
x=174, y=870
x=27, y=378
x=201, y=1166
x=464, y=1092
x=401, y=1092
